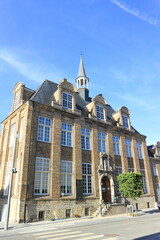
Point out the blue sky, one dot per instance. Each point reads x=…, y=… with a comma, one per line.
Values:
x=120, y=41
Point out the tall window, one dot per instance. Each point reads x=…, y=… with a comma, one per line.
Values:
x=21, y=129
x=66, y=177
x=41, y=182
x=44, y=129
x=85, y=138
x=118, y=170
x=154, y=167
x=125, y=121
x=12, y=135
x=67, y=100
x=7, y=178
x=139, y=150
x=145, y=190
x=87, y=178
x=101, y=142
x=66, y=135
x=16, y=101
x=116, y=145
x=100, y=112
x=128, y=148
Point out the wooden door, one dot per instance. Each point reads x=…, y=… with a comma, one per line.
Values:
x=106, y=190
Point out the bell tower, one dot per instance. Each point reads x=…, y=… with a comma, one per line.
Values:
x=82, y=80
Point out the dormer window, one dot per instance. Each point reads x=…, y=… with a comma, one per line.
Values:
x=67, y=100
x=125, y=121
x=16, y=101
x=100, y=112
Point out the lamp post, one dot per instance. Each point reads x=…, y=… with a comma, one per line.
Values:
x=10, y=184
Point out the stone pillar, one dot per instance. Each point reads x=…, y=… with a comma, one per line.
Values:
x=77, y=160
x=55, y=157
x=147, y=169
x=135, y=156
x=124, y=158
x=95, y=160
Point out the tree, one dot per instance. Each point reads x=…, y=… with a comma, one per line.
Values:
x=130, y=185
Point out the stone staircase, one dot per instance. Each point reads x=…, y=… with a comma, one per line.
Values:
x=106, y=209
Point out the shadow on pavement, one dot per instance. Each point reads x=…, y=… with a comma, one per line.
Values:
x=155, y=236
x=151, y=211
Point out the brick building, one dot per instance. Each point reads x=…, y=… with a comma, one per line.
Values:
x=69, y=150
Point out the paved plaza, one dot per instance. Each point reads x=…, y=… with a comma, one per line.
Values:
x=121, y=227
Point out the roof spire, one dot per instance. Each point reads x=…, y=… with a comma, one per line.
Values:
x=81, y=70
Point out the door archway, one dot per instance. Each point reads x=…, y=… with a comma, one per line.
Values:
x=106, y=189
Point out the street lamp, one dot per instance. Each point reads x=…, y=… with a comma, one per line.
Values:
x=10, y=184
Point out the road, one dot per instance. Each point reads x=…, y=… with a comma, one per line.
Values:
x=144, y=227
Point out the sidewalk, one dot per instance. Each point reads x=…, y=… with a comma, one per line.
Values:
x=75, y=221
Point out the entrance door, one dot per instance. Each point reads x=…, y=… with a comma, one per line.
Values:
x=106, y=190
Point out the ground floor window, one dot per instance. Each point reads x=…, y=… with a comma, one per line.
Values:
x=66, y=177
x=41, y=182
x=145, y=190
x=87, y=178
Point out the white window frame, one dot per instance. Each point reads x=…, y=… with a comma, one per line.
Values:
x=118, y=170
x=102, y=142
x=154, y=167
x=44, y=129
x=7, y=178
x=145, y=188
x=125, y=121
x=85, y=139
x=66, y=135
x=100, y=112
x=87, y=178
x=139, y=150
x=116, y=145
x=12, y=135
x=42, y=169
x=67, y=100
x=128, y=148
x=66, y=178
x=16, y=102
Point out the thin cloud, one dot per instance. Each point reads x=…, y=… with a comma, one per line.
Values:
x=135, y=12
x=29, y=70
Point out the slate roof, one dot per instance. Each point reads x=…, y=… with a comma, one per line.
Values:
x=45, y=94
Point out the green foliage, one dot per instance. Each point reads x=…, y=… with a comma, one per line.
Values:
x=130, y=184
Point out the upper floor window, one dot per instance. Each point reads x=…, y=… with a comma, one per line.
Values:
x=85, y=138
x=67, y=100
x=16, y=101
x=116, y=145
x=66, y=177
x=128, y=148
x=139, y=150
x=12, y=135
x=125, y=121
x=101, y=142
x=154, y=167
x=87, y=178
x=41, y=182
x=66, y=135
x=100, y=112
x=44, y=129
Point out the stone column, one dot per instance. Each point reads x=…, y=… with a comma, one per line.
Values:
x=77, y=160
x=124, y=158
x=55, y=163
x=95, y=160
x=135, y=156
